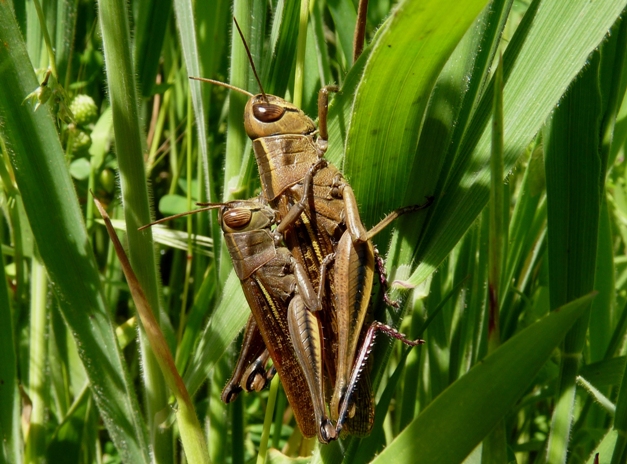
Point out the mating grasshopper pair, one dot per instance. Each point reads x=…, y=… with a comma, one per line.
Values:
x=306, y=263
x=319, y=219
x=286, y=326
x=309, y=299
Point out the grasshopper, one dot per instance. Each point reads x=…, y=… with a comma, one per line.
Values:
x=314, y=199
x=283, y=303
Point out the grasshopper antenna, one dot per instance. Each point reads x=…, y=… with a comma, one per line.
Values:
x=250, y=58
x=222, y=84
x=207, y=207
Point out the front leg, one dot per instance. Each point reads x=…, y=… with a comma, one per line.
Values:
x=322, y=142
x=306, y=197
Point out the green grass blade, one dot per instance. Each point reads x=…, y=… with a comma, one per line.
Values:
x=187, y=31
x=497, y=221
x=457, y=420
x=194, y=326
x=604, y=373
x=495, y=444
x=34, y=38
x=64, y=39
x=56, y=221
x=37, y=391
x=344, y=18
x=317, y=71
x=603, y=306
x=604, y=449
x=341, y=110
x=613, y=55
x=574, y=185
x=113, y=18
x=150, y=28
x=213, y=22
x=283, y=39
x=226, y=322
x=538, y=70
x=521, y=237
x=482, y=48
x=10, y=436
x=407, y=56
x=620, y=422
x=74, y=436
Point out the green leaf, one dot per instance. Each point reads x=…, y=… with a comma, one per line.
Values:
x=604, y=373
x=80, y=169
x=170, y=205
x=344, y=18
x=57, y=224
x=224, y=325
x=574, y=182
x=150, y=30
x=11, y=448
x=406, y=58
x=283, y=53
x=457, y=420
x=540, y=62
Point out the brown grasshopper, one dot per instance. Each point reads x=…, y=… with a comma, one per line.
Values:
x=282, y=300
x=319, y=217
x=283, y=303
x=314, y=199
x=278, y=290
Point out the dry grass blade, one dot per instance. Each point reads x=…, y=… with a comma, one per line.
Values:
x=191, y=431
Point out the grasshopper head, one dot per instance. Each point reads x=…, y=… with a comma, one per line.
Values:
x=246, y=215
x=271, y=115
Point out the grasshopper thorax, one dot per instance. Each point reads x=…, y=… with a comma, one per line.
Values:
x=267, y=115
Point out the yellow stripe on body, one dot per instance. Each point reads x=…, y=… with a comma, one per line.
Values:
x=273, y=308
x=312, y=236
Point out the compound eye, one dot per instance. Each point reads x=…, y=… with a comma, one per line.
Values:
x=267, y=112
x=237, y=218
